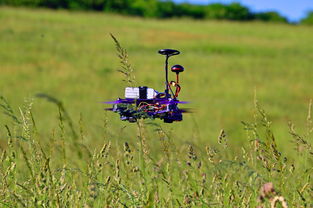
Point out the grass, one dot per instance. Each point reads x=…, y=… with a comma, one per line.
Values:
x=68, y=152
x=64, y=172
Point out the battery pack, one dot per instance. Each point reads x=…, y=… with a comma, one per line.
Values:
x=140, y=93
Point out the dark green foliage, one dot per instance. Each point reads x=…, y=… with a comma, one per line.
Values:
x=270, y=17
x=216, y=11
x=165, y=9
x=308, y=20
x=156, y=9
x=234, y=11
x=54, y=3
x=119, y=6
x=143, y=8
x=189, y=10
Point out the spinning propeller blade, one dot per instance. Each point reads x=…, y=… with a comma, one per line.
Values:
x=182, y=102
x=112, y=102
x=120, y=101
x=186, y=110
x=108, y=109
x=129, y=101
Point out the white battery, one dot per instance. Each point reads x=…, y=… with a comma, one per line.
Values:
x=134, y=92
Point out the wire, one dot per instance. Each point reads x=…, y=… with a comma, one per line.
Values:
x=144, y=106
x=178, y=88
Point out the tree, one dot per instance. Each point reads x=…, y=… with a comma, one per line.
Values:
x=143, y=8
x=215, y=11
x=118, y=6
x=160, y=9
x=236, y=11
x=270, y=16
x=190, y=10
x=233, y=11
x=308, y=20
x=165, y=9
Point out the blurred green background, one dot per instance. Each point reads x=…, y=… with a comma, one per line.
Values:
x=71, y=56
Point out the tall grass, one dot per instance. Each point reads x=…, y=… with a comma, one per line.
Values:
x=48, y=173
x=126, y=69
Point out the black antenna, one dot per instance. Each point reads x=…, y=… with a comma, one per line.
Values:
x=166, y=75
x=168, y=53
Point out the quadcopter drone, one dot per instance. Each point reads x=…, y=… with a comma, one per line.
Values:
x=144, y=102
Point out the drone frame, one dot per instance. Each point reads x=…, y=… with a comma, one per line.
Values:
x=163, y=105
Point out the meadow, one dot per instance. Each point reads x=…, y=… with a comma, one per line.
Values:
x=249, y=85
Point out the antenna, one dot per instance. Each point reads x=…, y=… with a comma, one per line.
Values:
x=168, y=53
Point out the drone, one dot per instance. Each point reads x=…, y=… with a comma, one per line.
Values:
x=144, y=102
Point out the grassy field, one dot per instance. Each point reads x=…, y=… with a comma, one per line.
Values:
x=50, y=160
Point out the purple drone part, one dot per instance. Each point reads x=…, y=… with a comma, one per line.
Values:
x=119, y=101
x=163, y=101
x=112, y=102
x=182, y=102
x=132, y=101
x=159, y=112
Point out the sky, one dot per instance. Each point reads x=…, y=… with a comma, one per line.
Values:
x=294, y=10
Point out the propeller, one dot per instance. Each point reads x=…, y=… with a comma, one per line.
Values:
x=108, y=109
x=120, y=101
x=186, y=110
x=161, y=101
